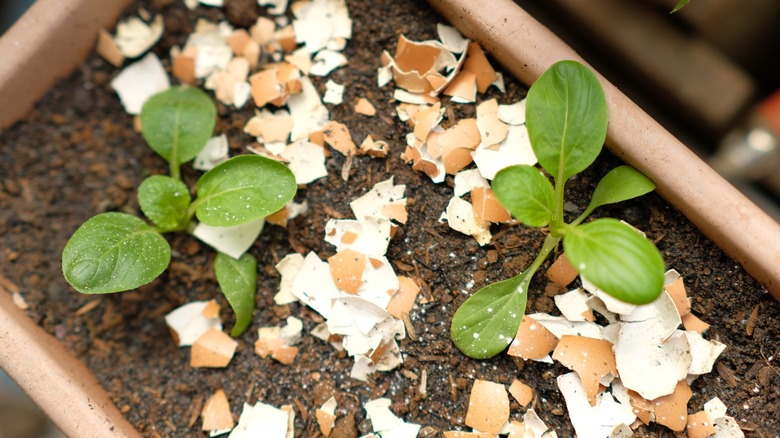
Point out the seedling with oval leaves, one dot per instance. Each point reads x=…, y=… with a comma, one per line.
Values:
x=115, y=252
x=566, y=116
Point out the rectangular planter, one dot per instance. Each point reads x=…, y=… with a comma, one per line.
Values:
x=56, y=35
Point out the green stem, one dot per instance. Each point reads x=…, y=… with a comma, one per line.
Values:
x=175, y=172
x=550, y=242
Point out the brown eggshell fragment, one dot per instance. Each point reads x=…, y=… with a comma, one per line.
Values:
x=279, y=218
x=285, y=354
x=459, y=434
x=464, y=134
x=562, y=272
x=425, y=120
x=523, y=393
x=403, y=300
x=349, y=237
x=699, y=425
x=337, y=136
x=265, y=87
x=265, y=347
x=692, y=323
x=216, y=412
x=516, y=429
x=488, y=407
x=486, y=206
x=108, y=49
x=214, y=349
x=590, y=358
x=263, y=30
x=346, y=268
x=238, y=41
x=363, y=106
x=456, y=159
x=376, y=149
x=672, y=410
x=211, y=310
x=326, y=421
x=183, y=66
x=532, y=341
x=477, y=63
x=676, y=290
x=317, y=137
x=641, y=407
x=463, y=86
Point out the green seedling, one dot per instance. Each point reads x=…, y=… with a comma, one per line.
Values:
x=566, y=116
x=115, y=252
x=680, y=4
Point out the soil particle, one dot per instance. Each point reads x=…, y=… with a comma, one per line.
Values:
x=77, y=154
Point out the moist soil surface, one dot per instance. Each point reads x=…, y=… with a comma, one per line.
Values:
x=77, y=155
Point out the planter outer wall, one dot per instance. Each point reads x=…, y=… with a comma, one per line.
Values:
x=45, y=45
x=527, y=48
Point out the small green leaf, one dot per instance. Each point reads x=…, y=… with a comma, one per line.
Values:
x=238, y=281
x=526, y=193
x=566, y=115
x=164, y=200
x=242, y=189
x=681, y=4
x=178, y=122
x=486, y=323
x=620, y=184
x=617, y=259
x=114, y=252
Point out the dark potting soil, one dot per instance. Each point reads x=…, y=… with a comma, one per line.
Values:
x=77, y=155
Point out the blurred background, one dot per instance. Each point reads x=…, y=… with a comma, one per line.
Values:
x=710, y=73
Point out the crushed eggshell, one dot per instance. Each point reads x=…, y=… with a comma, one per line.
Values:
x=561, y=272
x=214, y=153
x=306, y=161
x=650, y=368
x=380, y=202
x=337, y=136
x=319, y=22
x=363, y=106
x=512, y=150
x=190, y=321
x=139, y=81
x=325, y=61
x=535, y=427
x=492, y=130
x=487, y=208
x=262, y=420
x=592, y=360
x=233, y=241
x=478, y=64
x=672, y=410
x=460, y=217
x=533, y=341
x=488, y=406
x=107, y=48
x=334, y=93
x=346, y=268
x=387, y=424
x=599, y=419
x=451, y=38
x=468, y=180
x=326, y=416
x=402, y=302
x=374, y=148
x=523, y=393
x=213, y=349
x=513, y=114
x=134, y=37
x=460, y=434
x=216, y=413
x=699, y=425
x=574, y=305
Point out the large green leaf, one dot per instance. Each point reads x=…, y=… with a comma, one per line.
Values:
x=566, y=115
x=617, y=259
x=619, y=184
x=526, y=193
x=164, y=200
x=178, y=122
x=114, y=252
x=486, y=323
x=238, y=281
x=242, y=189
